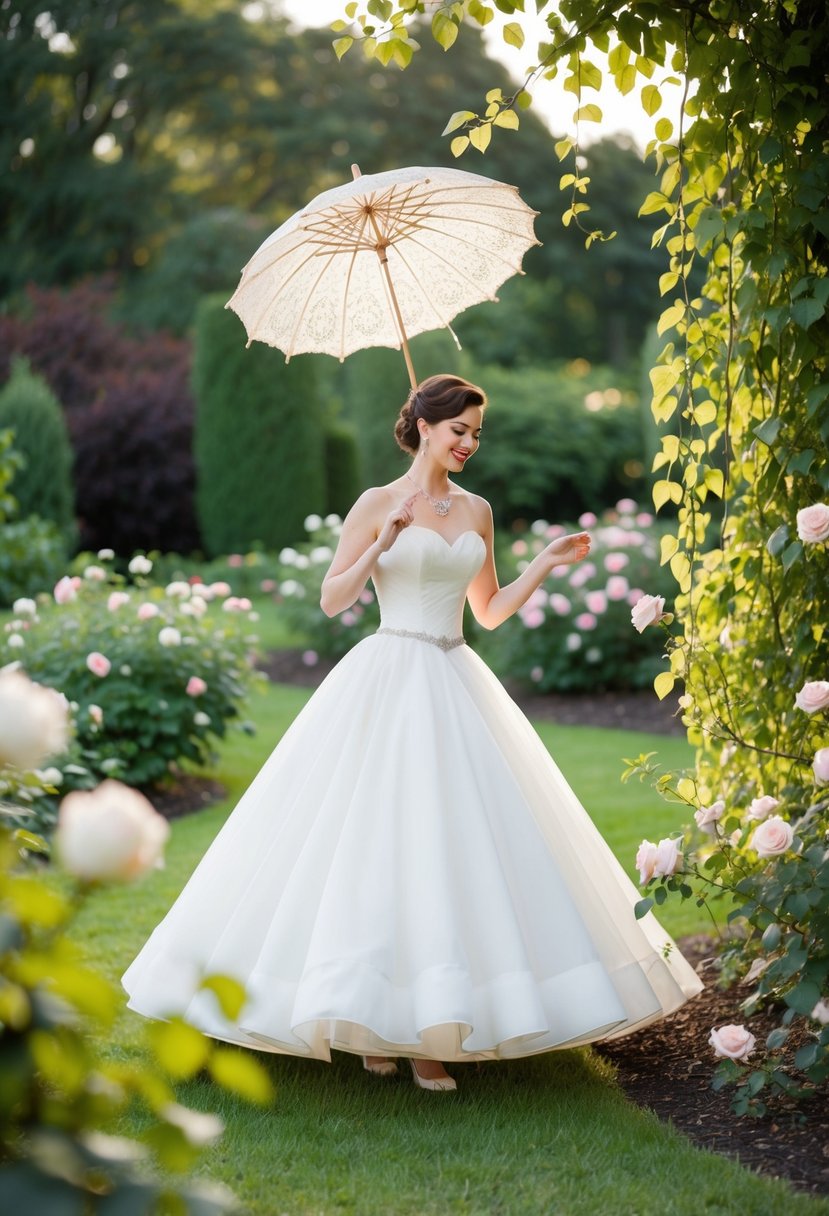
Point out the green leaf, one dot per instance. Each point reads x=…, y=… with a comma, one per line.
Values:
x=506, y=118
x=588, y=113
x=651, y=98
x=777, y=540
x=563, y=147
x=664, y=378
x=655, y=201
x=513, y=34
x=479, y=137
x=791, y=554
x=228, y=992
x=768, y=431
x=341, y=45
x=457, y=120
x=241, y=1074
x=180, y=1049
x=444, y=30
x=664, y=682
x=459, y=145
x=642, y=907
x=806, y=312
x=803, y=997
x=708, y=226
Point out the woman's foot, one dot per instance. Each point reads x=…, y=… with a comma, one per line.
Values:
x=380, y=1066
x=430, y=1074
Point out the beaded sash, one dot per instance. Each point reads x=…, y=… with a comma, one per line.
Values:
x=443, y=642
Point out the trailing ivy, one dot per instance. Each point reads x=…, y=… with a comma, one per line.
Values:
x=742, y=379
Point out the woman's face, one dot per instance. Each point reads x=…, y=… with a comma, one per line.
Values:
x=454, y=440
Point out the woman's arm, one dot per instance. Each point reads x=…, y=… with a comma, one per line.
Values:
x=491, y=604
x=361, y=543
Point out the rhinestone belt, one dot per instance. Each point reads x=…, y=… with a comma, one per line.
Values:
x=443, y=642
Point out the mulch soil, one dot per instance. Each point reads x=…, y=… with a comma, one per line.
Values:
x=666, y=1067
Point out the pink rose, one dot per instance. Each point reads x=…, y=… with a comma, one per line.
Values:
x=65, y=591
x=814, y=695
x=98, y=663
x=585, y=620
x=537, y=674
x=117, y=600
x=634, y=596
x=559, y=604
x=587, y=520
x=614, y=562
x=707, y=816
x=268, y=585
x=220, y=589
x=760, y=808
x=772, y=838
x=519, y=547
x=668, y=858
x=310, y=658
x=646, y=861
x=596, y=601
x=732, y=1042
x=649, y=610
x=644, y=519
x=626, y=506
x=582, y=574
x=235, y=560
x=366, y=596
x=348, y=619
x=813, y=523
x=617, y=587
x=532, y=617
x=146, y=612
x=820, y=764
x=196, y=686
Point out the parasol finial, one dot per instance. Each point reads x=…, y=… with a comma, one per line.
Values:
x=355, y=172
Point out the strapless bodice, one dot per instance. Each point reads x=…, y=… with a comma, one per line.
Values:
x=421, y=581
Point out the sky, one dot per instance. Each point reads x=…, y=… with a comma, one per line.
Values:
x=550, y=102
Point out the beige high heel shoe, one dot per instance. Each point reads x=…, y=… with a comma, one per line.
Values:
x=380, y=1068
x=438, y=1084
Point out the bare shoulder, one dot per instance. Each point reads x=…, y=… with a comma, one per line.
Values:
x=480, y=511
x=372, y=507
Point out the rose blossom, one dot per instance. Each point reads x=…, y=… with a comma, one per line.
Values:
x=15, y=641
x=760, y=808
x=106, y=555
x=310, y=658
x=585, y=620
x=96, y=714
x=65, y=590
x=34, y=721
x=98, y=663
x=537, y=674
x=559, y=604
x=707, y=816
x=111, y=832
x=201, y=719
x=572, y=642
x=634, y=595
x=267, y=585
x=519, y=547
x=644, y=519
x=196, y=686
x=24, y=607
x=820, y=764
x=312, y=523
x=179, y=590
x=146, y=612
x=821, y=1012
x=168, y=636
x=348, y=619
x=582, y=574
x=813, y=523
x=220, y=589
x=117, y=600
x=814, y=695
x=596, y=601
x=617, y=587
x=646, y=861
x=532, y=617
x=235, y=560
x=95, y=574
x=587, y=520
x=772, y=837
x=140, y=564
x=668, y=858
x=649, y=610
x=732, y=1042
x=616, y=562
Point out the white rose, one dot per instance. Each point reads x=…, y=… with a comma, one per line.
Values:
x=140, y=564
x=201, y=718
x=732, y=1042
x=813, y=523
x=15, y=641
x=760, y=808
x=34, y=721
x=648, y=610
x=814, y=695
x=820, y=765
x=646, y=860
x=94, y=574
x=178, y=590
x=707, y=816
x=668, y=858
x=24, y=607
x=106, y=555
x=111, y=832
x=772, y=837
x=332, y=521
x=312, y=523
x=169, y=636
x=821, y=1012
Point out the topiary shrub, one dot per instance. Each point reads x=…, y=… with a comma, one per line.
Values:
x=43, y=485
x=342, y=468
x=259, y=444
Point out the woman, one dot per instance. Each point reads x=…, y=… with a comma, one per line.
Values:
x=409, y=875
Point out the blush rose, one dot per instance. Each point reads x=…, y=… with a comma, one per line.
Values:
x=649, y=610
x=109, y=833
x=813, y=523
x=732, y=1042
x=814, y=695
x=773, y=837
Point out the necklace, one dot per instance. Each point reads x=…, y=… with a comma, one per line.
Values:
x=441, y=505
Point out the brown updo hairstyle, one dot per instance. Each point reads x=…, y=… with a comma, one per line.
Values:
x=434, y=400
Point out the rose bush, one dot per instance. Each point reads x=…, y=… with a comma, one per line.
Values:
x=129, y=655
x=574, y=632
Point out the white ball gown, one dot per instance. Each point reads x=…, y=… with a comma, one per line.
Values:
x=409, y=873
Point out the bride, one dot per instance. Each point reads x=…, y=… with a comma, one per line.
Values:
x=409, y=874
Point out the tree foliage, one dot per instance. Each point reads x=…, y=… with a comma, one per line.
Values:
x=742, y=200
x=43, y=486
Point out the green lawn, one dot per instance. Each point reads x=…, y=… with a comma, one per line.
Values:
x=550, y=1134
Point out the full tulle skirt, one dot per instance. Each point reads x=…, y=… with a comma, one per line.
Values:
x=409, y=873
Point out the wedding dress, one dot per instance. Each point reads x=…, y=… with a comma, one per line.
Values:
x=409, y=873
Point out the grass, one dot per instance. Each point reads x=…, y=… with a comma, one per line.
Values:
x=550, y=1134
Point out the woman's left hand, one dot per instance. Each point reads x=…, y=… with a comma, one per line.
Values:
x=566, y=550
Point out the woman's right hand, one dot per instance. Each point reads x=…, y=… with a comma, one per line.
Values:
x=395, y=522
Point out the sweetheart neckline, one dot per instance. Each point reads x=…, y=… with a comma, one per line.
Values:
x=449, y=544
